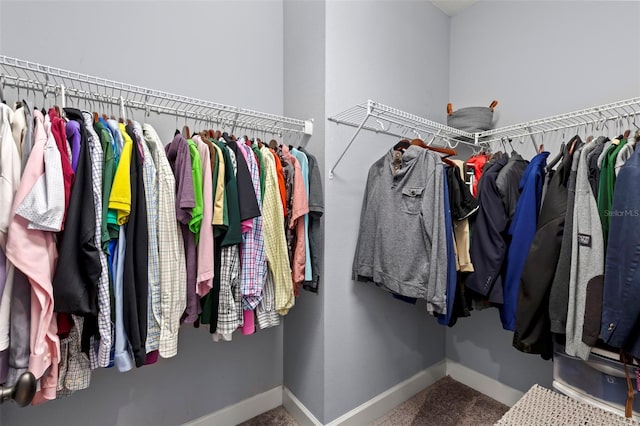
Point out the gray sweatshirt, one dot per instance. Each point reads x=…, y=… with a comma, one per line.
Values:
x=559, y=287
x=587, y=258
x=402, y=243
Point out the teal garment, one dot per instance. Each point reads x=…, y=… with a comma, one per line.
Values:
x=304, y=166
x=117, y=144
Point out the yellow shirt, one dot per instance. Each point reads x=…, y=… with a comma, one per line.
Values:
x=120, y=198
x=218, y=199
x=275, y=242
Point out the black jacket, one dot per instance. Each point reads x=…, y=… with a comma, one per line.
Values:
x=508, y=182
x=246, y=194
x=533, y=328
x=461, y=201
x=488, y=243
x=75, y=281
x=136, y=258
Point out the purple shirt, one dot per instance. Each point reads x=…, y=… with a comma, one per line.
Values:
x=180, y=161
x=73, y=136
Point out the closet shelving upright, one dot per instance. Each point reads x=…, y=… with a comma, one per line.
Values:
x=69, y=87
x=384, y=119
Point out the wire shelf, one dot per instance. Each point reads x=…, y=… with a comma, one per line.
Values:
x=594, y=117
x=73, y=85
x=379, y=118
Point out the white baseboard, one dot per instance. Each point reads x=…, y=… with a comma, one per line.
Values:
x=298, y=410
x=379, y=405
x=484, y=384
x=242, y=411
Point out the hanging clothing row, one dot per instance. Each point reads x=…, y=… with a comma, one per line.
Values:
x=552, y=249
x=109, y=241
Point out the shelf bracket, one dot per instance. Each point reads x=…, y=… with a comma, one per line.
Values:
x=353, y=138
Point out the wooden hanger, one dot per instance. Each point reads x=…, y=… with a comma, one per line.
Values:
x=448, y=151
x=96, y=117
x=186, y=132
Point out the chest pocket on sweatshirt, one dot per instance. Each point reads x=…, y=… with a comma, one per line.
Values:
x=412, y=199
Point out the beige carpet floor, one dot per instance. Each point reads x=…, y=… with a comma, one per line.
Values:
x=444, y=403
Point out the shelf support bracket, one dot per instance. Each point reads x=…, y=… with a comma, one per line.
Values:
x=353, y=138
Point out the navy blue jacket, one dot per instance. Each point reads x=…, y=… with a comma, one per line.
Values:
x=620, y=307
x=488, y=245
x=522, y=231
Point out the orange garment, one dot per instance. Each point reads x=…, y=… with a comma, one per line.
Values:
x=281, y=185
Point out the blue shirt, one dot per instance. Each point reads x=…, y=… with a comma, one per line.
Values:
x=122, y=357
x=452, y=278
x=522, y=231
x=304, y=165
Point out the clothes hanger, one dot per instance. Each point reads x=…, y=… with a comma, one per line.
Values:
x=186, y=132
x=448, y=151
x=402, y=145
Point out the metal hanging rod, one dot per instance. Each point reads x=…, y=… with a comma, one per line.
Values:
x=69, y=84
x=595, y=116
x=380, y=118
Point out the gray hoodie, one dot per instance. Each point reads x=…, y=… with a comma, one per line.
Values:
x=402, y=243
x=587, y=258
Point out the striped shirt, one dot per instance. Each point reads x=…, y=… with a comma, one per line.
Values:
x=252, y=253
x=150, y=181
x=171, y=257
x=104, y=301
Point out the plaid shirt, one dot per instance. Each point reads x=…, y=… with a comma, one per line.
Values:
x=150, y=181
x=274, y=236
x=252, y=252
x=171, y=258
x=74, y=372
x=230, y=304
x=104, y=301
x=266, y=310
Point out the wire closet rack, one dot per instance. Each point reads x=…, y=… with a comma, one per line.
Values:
x=32, y=76
x=379, y=118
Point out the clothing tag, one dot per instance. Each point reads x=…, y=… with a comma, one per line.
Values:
x=584, y=240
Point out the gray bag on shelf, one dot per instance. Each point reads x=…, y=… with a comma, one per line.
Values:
x=471, y=119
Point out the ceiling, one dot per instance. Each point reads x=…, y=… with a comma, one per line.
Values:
x=452, y=7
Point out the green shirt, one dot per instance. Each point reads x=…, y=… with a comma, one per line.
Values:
x=108, y=172
x=256, y=149
x=196, y=171
x=234, y=231
x=607, y=185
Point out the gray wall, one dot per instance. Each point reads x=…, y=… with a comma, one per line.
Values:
x=537, y=59
x=226, y=51
x=304, y=96
x=395, y=53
